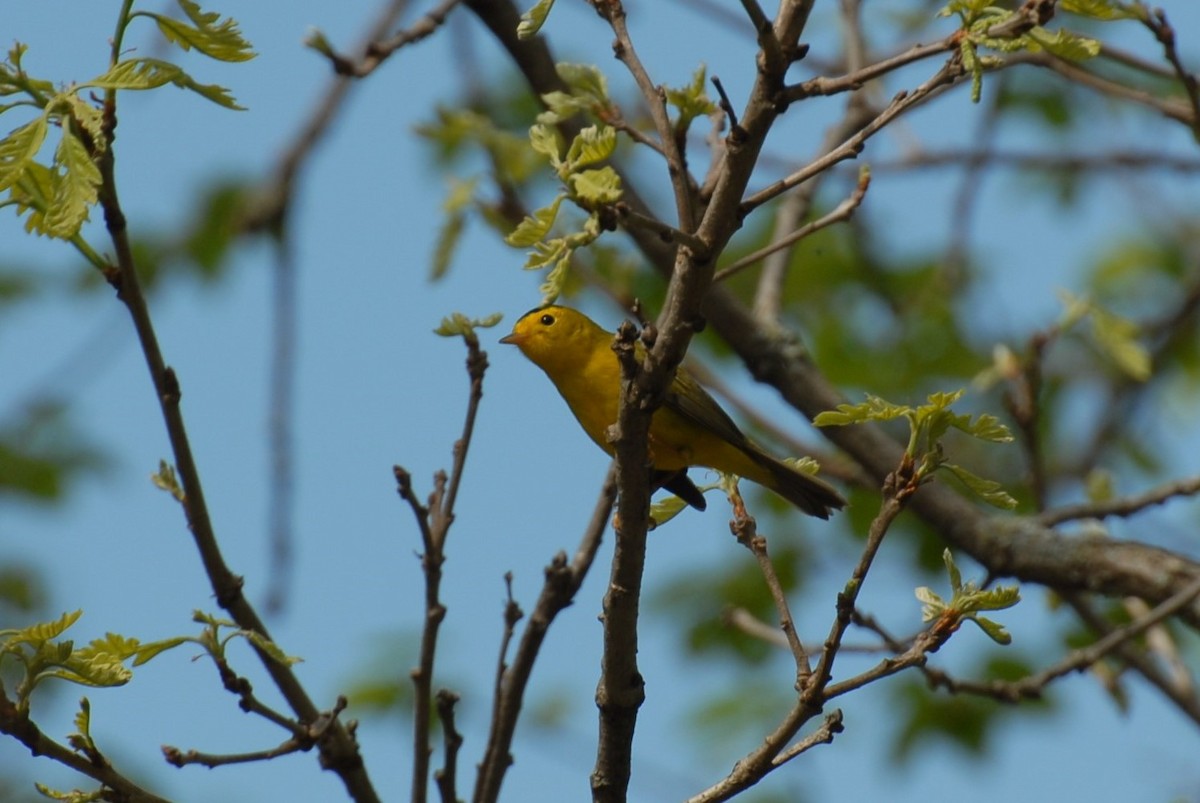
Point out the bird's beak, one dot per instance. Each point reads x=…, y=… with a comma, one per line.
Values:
x=513, y=340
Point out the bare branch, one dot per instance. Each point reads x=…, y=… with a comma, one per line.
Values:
x=745, y=529
x=447, y=777
x=843, y=211
x=16, y=723
x=949, y=74
x=656, y=101
x=378, y=51
x=563, y=580
x=1123, y=507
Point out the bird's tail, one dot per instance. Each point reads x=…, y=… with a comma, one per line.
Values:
x=814, y=496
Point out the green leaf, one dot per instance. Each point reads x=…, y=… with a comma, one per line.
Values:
x=932, y=605
x=140, y=74
x=74, y=796
x=1099, y=485
x=986, y=427
x=1103, y=9
x=533, y=19
x=873, y=409
x=83, y=727
x=592, y=144
x=989, y=491
x=18, y=149
x=585, y=80
x=601, y=186
x=552, y=288
x=456, y=324
x=994, y=630
x=41, y=632
x=666, y=509
x=1117, y=338
x=461, y=196
x=546, y=140
x=87, y=115
x=317, y=40
x=147, y=652
x=535, y=227
x=952, y=571
x=164, y=479
x=1065, y=44
x=209, y=34
x=692, y=101
x=270, y=648
x=76, y=189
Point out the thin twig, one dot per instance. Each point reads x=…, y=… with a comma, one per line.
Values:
x=813, y=694
x=843, y=211
x=1163, y=31
x=447, y=776
x=624, y=50
x=1123, y=507
x=562, y=582
x=377, y=52
x=1184, y=699
x=745, y=529
x=339, y=750
x=949, y=74
x=1075, y=73
x=434, y=521
x=300, y=741
x=669, y=234
x=16, y=723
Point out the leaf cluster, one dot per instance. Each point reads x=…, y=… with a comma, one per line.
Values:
x=57, y=194
x=980, y=18
x=966, y=601
x=928, y=425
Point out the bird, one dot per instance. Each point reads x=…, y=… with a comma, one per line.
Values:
x=689, y=429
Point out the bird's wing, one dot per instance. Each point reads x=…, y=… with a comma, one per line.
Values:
x=688, y=397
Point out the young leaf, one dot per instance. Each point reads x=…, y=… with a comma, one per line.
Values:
x=994, y=630
x=1117, y=337
x=552, y=288
x=18, y=149
x=456, y=324
x=592, y=144
x=692, y=100
x=989, y=491
x=1103, y=9
x=270, y=648
x=41, y=632
x=546, y=252
x=147, y=652
x=585, y=80
x=153, y=73
x=873, y=409
x=601, y=186
x=76, y=189
x=952, y=571
x=212, y=36
x=666, y=509
x=165, y=480
x=535, y=227
x=546, y=140
x=1065, y=44
x=533, y=19
x=82, y=738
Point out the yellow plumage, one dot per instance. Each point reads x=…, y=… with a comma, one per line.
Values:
x=690, y=429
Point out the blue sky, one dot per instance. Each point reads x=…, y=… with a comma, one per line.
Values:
x=375, y=387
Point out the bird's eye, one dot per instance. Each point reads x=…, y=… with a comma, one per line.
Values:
x=547, y=319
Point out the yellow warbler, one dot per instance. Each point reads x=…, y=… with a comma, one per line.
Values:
x=689, y=429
